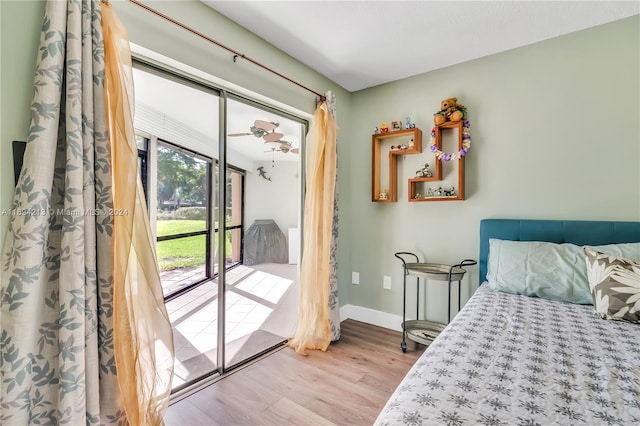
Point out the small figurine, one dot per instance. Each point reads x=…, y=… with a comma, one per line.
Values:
x=384, y=128
x=263, y=173
x=396, y=125
x=430, y=192
x=424, y=172
x=411, y=143
x=409, y=124
x=417, y=195
x=376, y=131
x=438, y=192
x=449, y=192
x=384, y=195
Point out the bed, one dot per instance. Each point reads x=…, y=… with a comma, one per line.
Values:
x=523, y=359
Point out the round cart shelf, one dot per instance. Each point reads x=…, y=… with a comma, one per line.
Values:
x=435, y=271
x=423, y=331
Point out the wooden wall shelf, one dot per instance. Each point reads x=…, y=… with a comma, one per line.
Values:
x=404, y=138
x=416, y=185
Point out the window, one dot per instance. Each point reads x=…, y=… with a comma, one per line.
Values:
x=234, y=216
x=183, y=218
x=143, y=147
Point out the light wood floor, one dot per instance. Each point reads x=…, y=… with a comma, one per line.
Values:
x=347, y=385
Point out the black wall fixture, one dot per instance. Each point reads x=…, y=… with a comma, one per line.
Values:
x=18, y=155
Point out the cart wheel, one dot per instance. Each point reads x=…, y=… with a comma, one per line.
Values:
x=403, y=346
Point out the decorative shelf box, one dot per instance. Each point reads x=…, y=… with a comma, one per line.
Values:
x=417, y=185
x=412, y=139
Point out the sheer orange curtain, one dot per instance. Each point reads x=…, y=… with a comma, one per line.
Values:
x=143, y=337
x=313, y=327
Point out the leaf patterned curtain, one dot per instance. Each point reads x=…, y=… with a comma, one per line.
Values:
x=334, y=306
x=318, y=319
x=57, y=310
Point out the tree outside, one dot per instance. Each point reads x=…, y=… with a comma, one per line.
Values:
x=182, y=180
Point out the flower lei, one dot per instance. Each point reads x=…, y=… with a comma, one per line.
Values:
x=466, y=144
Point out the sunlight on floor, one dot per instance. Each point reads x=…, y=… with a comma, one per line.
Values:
x=252, y=297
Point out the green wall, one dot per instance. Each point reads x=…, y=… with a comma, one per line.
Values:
x=19, y=36
x=555, y=135
x=554, y=125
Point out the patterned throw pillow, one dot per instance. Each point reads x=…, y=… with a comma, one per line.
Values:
x=615, y=286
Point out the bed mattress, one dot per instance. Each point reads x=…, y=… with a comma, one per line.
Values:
x=516, y=360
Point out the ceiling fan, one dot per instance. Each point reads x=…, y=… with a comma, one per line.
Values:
x=285, y=147
x=262, y=129
x=266, y=130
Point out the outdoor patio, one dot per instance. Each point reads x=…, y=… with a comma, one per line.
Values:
x=261, y=306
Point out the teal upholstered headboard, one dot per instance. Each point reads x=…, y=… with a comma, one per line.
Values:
x=579, y=232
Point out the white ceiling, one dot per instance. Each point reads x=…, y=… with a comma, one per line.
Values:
x=359, y=44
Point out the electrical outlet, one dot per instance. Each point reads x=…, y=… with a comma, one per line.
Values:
x=355, y=278
x=386, y=283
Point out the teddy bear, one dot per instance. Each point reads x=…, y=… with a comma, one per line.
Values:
x=450, y=110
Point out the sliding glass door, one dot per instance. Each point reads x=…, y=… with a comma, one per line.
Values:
x=261, y=292
x=223, y=184
x=177, y=127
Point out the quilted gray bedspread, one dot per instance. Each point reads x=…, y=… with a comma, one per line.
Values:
x=517, y=360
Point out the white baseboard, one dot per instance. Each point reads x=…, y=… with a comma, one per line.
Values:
x=371, y=316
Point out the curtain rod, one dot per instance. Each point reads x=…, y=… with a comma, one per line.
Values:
x=236, y=54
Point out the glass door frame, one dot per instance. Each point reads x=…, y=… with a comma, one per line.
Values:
x=221, y=250
x=219, y=197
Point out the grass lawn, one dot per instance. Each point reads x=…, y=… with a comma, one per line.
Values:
x=181, y=252
x=168, y=227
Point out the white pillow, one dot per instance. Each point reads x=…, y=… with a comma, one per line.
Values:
x=548, y=270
